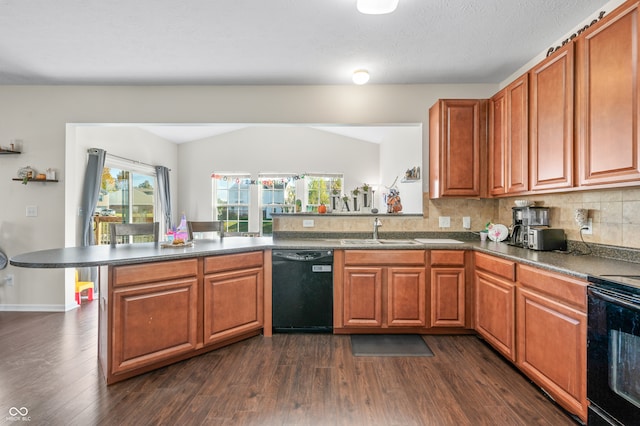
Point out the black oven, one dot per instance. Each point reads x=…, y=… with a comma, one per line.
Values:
x=613, y=350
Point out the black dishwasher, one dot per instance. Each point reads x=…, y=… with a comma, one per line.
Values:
x=302, y=291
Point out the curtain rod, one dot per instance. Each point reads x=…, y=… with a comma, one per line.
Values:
x=127, y=159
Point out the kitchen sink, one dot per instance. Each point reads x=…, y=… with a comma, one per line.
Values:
x=380, y=241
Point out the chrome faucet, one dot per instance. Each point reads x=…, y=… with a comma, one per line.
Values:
x=376, y=224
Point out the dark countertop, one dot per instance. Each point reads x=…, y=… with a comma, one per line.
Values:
x=578, y=266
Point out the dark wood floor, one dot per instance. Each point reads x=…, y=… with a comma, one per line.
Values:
x=48, y=364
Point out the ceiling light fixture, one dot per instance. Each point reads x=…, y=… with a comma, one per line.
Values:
x=360, y=77
x=376, y=7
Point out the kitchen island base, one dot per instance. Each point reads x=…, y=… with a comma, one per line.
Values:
x=155, y=314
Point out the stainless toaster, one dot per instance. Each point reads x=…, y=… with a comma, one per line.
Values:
x=542, y=238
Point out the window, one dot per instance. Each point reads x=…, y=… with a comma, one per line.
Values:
x=127, y=195
x=319, y=188
x=232, y=198
x=277, y=195
x=247, y=205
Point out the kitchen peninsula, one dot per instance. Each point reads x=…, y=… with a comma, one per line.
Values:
x=162, y=305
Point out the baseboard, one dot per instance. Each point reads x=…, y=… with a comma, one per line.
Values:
x=35, y=308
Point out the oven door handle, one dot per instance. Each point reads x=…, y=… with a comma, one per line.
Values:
x=615, y=300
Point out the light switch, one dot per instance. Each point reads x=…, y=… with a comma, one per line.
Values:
x=444, y=221
x=308, y=223
x=32, y=211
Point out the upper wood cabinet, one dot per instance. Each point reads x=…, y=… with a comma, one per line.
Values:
x=509, y=139
x=608, y=101
x=551, y=121
x=457, y=140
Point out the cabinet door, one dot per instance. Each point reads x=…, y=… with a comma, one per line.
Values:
x=551, y=125
x=362, y=297
x=517, y=149
x=406, y=297
x=457, y=134
x=153, y=322
x=447, y=297
x=495, y=312
x=608, y=85
x=497, y=144
x=552, y=346
x=233, y=304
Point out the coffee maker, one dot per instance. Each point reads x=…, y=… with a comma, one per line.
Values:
x=523, y=218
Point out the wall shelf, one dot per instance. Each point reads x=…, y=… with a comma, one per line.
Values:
x=35, y=180
x=8, y=152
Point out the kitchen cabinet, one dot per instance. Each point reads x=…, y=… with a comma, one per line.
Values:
x=552, y=335
x=552, y=121
x=233, y=295
x=495, y=297
x=448, y=288
x=509, y=139
x=379, y=289
x=457, y=147
x=497, y=173
x=608, y=100
x=154, y=313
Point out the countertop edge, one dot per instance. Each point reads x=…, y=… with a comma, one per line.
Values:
x=561, y=262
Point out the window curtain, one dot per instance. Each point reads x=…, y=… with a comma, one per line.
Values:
x=164, y=195
x=91, y=192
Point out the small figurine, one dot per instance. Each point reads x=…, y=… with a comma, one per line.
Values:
x=393, y=201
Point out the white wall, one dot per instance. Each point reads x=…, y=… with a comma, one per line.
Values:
x=256, y=149
x=400, y=153
x=39, y=115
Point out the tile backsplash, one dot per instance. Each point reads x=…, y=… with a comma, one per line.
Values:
x=615, y=214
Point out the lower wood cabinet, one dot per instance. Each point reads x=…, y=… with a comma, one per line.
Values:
x=379, y=289
x=448, y=288
x=538, y=320
x=552, y=335
x=401, y=291
x=158, y=313
x=495, y=298
x=153, y=318
x=233, y=296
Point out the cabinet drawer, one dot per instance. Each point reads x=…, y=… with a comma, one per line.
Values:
x=384, y=257
x=497, y=266
x=230, y=262
x=561, y=287
x=447, y=258
x=153, y=272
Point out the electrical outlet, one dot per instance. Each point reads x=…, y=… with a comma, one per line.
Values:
x=32, y=211
x=466, y=222
x=308, y=223
x=444, y=222
x=588, y=230
x=8, y=279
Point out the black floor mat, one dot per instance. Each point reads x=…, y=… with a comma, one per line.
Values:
x=389, y=345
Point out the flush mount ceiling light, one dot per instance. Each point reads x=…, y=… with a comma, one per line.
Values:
x=360, y=76
x=376, y=7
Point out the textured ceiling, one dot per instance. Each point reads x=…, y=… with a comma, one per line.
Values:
x=276, y=41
